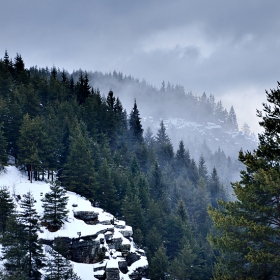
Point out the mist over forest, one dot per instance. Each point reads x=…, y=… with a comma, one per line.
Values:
x=160, y=163
x=202, y=122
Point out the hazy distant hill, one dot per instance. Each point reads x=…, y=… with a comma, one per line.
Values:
x=205, y=126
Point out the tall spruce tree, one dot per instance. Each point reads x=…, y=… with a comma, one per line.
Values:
x=79, y=174
x=159, y=265
x=29, y=219
x=135, y=126
x=3, y=150
x=248, y=228
x=7, y=207
x=164, y=147
x=14, y=251
x=33, y=145
x=54, y=205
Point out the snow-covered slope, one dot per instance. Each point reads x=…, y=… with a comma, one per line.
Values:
x=105, y=229
x=212, y=134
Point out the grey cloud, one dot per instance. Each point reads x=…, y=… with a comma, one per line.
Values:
x=241, y=38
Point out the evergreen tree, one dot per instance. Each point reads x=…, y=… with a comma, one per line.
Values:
x=164, y=147
x=148, y=137
x=6, y=208
x=33, y=145
x=107, y=194
x=232, y=121
x=157, y=185
x=29, y=219
x=215, y=188
x=202, y=169
x=182, y=156
x=188, y=264
x=79, y=174
x=159, y=265
x=54, y=205
x=82, y=88
x=248, y=228
x=20, y=74
x=14, y=250
x=3, y=150
x=135, y=126
x=12, y=121
x=58, y=267
x=181, y=211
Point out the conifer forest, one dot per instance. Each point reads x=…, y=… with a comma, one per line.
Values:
x=186, y=216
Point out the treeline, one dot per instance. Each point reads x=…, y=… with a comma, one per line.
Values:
x=52, y=124
x=167, y=101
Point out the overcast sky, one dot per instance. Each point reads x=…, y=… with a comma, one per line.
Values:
x=226, y=48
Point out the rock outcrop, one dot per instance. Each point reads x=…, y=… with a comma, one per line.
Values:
x=110, y=248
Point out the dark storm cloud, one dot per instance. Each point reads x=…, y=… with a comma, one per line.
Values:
x=227, y=48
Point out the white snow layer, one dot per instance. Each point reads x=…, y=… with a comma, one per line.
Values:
x=18, y=184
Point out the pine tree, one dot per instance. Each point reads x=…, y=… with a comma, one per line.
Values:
x=157, y=186
x=248, y=228
x=82, y=88
x=3, y=150
x=202, y=169
x=215, y=188
x=14, y=250
x=232, y=120
x=57, y=266
x=181, y=211
x=159, y=265
x=164, y=147
x=29, y=219
x=135, y=126
x=20, y=74
x=107, y=194
x=33, y=145
x=54, y=205
x=79, y=174
x=246, y=129
x=148, y=137
x=188, y=264
x=7, y=207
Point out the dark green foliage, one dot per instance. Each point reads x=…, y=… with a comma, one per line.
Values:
x=182, y=156
x=33, y=146
x=29, y=220
x=107, y=193
x=54, y=205
x=164, y=148
x=202, y=169
x=135, y=126
x=188, y=264
x=215, y=188
x=247, y=229
x=3, y=150
x=159, y=265
x=14, y=250
x=55, y=123
x=79, y=174
x=157, y=185
x=181, y=211
x=82, y=88
x=7, y=208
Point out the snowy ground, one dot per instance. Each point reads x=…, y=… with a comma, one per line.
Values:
x=18, y=184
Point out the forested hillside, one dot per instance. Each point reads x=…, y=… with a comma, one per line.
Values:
x=202, y=122
x=53, y=123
